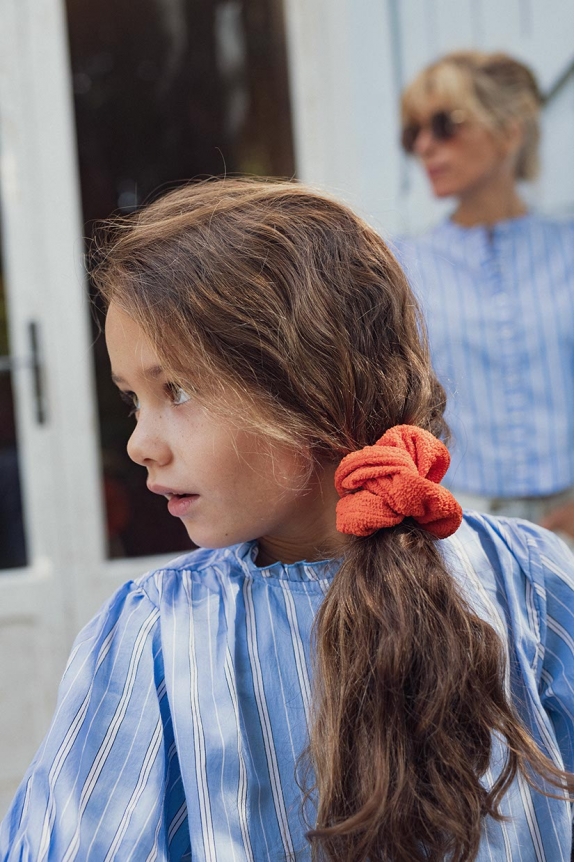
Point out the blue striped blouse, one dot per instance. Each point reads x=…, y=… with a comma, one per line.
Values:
x=499, y=309
x=183, y=708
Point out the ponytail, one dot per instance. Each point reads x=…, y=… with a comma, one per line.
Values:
x=409, y=691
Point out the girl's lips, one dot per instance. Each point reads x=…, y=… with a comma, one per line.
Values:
x=180, y=506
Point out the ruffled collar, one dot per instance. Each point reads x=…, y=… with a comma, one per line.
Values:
x=302, y=571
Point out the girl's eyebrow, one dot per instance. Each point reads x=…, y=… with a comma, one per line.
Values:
x=153, y=372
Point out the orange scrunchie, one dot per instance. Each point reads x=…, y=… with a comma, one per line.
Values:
x=397, y=478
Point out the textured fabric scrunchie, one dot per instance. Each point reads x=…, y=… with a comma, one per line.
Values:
x=397, y=478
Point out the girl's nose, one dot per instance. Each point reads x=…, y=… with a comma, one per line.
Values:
x=146, y=445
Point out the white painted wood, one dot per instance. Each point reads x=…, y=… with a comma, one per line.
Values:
x=553, y=191
x=42, y=254
x=343, y=98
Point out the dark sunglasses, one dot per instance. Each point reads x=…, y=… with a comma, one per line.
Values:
x=443, y=125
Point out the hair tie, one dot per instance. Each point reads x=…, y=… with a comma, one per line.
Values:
x=397, y=478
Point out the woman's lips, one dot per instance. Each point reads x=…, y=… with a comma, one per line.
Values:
x=435, y=172
x=178, y=506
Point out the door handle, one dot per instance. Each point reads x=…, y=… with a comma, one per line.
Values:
x=34, y=362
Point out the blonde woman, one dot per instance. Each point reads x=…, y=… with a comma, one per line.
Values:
x=495, y=281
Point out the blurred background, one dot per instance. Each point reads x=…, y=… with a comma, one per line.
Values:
x=104, y=105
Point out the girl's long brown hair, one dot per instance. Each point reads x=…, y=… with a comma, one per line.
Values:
x=301, y=309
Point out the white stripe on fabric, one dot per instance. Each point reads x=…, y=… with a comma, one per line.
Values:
x=216, y=712
x=141, y=783
x=533, y=617
x=242, y=794
x=161, y=690
x=65, y=748
x=126, y=765
x=179, y=818
x=566, y=577
x=27, y=795
x=112, y=732
x=531, y=819
x=548, y=739
x=565, y=677
x=299, y=653
x=242, y=789
x=155, y=848
x=199, y=741
x=494, y=616
x=259, y=690
x=502, y=824
x=556, y=627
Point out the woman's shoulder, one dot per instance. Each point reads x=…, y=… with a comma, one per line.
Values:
x=552, y=223
x=428, y=256
x=551, y=230
x=429, y=239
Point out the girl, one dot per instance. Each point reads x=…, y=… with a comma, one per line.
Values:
x=271, y=350
x=496, y=285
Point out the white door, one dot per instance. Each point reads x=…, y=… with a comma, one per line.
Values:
x=49, y=371
x=62, y=575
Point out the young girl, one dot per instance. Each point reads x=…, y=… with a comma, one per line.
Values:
x=345, y=670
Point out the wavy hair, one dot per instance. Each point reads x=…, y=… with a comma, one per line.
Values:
x=301, y=308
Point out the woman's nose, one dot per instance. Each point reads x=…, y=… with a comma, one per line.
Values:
x=146, y=445
x=424, y=142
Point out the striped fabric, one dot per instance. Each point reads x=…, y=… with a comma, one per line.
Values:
x=183, y=708
x=499, y=308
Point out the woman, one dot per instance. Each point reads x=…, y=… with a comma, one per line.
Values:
x=338, y=615
x=496, y=283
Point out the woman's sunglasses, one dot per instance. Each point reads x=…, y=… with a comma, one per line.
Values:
x=443, y=125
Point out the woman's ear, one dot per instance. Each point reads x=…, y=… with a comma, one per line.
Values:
x=512, y=137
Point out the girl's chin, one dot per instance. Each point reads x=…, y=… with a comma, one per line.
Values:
x=213, y=541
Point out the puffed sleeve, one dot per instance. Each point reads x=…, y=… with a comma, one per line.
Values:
x=555, y=564
x=96, y=786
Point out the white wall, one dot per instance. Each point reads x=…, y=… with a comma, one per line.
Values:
x=349, y=60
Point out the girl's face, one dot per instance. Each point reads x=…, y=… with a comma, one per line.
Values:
x=227, y=484
x=463, y=164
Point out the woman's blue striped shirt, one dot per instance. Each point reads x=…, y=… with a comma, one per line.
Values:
x=498, y=303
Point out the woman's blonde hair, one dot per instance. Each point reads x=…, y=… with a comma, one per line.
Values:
x=494, y=89
x=302, y=309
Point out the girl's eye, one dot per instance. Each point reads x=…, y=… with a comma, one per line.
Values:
x=131, y=400
x=177, y=394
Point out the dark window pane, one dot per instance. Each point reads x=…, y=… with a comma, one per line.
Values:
x=167, y=90
x=12, y=537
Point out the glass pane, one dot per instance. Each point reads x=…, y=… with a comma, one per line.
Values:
x=12, y=537
x=167, y=90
